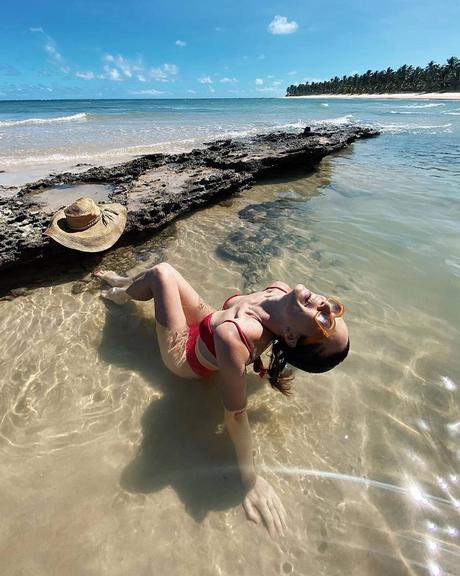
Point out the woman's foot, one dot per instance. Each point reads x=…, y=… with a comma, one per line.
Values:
x=116, y=294
x=112, y=278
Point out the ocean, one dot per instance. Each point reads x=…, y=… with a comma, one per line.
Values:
x=111, y=465
x=62, y=132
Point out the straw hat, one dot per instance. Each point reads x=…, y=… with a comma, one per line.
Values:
x=86, y=226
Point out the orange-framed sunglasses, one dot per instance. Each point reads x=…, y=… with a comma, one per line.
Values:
x=326, y=322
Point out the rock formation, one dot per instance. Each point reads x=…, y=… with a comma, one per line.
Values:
x=157, y=188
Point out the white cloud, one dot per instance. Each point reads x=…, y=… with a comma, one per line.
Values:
x=292, y=72
x=124, y=66
x=164, y=73
x=85, y=75
x=277, y=83
x=181, y=43
x=205, y=80
x=150, y=92
x=281, y=25
x=259, y=81
x=211, y=89
x=170, y=69
x=115, y=67
x=121, y=68
x=111, y=74
x=51, y=49
x=227, y=80
x=191, y=92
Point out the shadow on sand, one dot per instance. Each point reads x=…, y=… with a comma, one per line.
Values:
x=184, y=445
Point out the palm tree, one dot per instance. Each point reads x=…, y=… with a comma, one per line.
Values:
x=433, y=77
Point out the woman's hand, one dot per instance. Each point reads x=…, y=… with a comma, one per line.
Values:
x=261, y=502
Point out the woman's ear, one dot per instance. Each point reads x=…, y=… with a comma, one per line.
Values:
x=289, y=337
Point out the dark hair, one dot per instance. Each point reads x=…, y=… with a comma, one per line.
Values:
x=307, y=357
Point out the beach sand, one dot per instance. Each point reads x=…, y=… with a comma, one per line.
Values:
x=406, y=96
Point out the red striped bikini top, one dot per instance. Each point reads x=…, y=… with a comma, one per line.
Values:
x=207, y=335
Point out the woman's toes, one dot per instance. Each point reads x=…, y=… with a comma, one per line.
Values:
x=112, y=278
x=115, y=294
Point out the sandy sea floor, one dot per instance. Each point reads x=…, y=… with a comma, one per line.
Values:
x=111, y=465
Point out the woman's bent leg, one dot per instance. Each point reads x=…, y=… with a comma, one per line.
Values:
x=177, y=306
x=175, y=299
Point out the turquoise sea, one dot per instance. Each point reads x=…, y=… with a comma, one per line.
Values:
x=111, y=465
x=64, y=131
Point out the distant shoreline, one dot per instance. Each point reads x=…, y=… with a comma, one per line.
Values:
x=408, y=96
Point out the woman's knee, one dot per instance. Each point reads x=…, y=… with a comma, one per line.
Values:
x=162, y=271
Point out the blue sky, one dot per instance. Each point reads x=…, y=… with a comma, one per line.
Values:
x=196, y=49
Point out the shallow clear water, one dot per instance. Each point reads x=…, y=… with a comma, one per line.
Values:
x=52, y=199
x=110, y=465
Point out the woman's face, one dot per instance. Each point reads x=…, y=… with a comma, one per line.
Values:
x=302, y=308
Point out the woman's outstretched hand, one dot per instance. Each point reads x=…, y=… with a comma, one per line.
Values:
x=262, y=503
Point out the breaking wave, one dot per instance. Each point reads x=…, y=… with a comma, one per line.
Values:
x=335, y=121
x=413, y=128
x=401, y=112
x=431, y=105
x=100, y=157
x=32, y=121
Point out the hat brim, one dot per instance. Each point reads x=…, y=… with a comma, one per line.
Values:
x=95, y=239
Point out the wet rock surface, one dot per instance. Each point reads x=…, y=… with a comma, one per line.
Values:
x=156, y=189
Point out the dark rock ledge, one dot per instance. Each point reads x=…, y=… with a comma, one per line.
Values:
x=156, y=189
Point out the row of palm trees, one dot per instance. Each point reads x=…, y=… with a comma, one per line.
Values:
x=432, y=78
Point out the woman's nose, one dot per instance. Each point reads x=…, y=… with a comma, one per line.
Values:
x=325, y=307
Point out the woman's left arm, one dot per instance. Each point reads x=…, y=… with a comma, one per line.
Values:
x=260, y=501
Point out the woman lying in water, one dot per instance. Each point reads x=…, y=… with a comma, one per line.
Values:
x=305, y=330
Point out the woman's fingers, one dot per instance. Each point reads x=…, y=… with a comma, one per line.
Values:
x=268, y=519
x=281, y=511
x=277, y=519
x=262, y=504
x=251, y=511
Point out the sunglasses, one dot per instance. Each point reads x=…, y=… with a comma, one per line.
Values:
x=326, y=322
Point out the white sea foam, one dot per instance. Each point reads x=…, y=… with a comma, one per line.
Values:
x=397, y=128
x=234, y=133
x=103, y=157
x=340, y=120
x=82, y=116
x=299, y=124
x=431, y=105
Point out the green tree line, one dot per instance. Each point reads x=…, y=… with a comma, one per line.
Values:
x=432, y=78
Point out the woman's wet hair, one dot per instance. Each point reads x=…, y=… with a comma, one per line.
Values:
x=308, y=357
